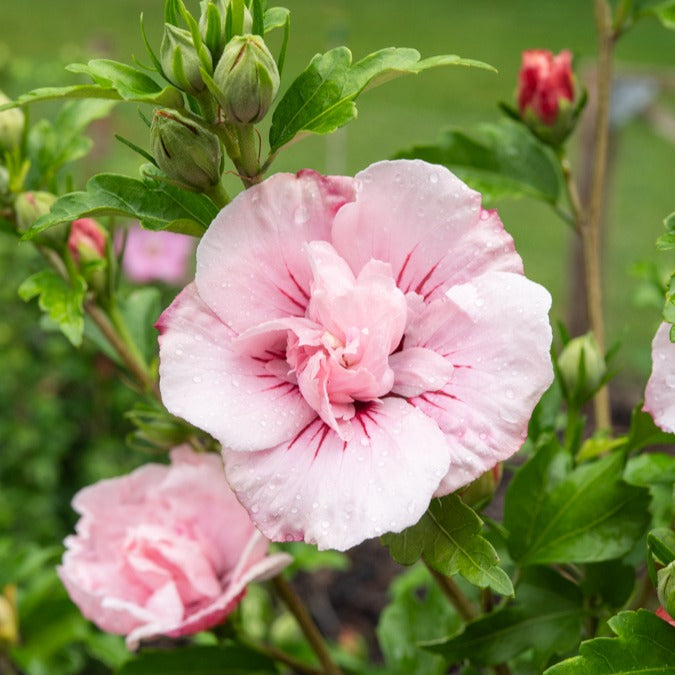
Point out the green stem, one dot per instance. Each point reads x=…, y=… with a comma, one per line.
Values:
x=454, y=594
x=115, y=331
x=590, y=224
x=248, y=163
x=306, y=623
x=572, y=428
x=218, y=195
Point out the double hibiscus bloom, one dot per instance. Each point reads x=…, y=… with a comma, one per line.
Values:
x=358, y=346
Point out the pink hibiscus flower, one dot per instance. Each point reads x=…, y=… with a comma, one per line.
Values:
x=357, y=346
x=166, y=550
x=660, y=391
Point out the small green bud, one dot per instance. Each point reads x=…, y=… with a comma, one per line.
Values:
x=582, y=367
x=29, y=206
x=9, y=618
x=188, y=154
x=248, y=79
x=180, y=60
x=88, y=243
x=12, y=123
x=212, y=24
x=4, y=181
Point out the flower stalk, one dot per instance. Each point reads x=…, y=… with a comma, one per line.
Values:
x=285, y=591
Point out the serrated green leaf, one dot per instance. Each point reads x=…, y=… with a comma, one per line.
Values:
x=644, y=644
x=418, y=612
x=447, y=538
x=61, y=300
x=321, y=99
x=54, y=93
x=158, y=205
x=546, y=617
x=610, y=582
x=232, y=658
x=502, y=160
x=586, y=515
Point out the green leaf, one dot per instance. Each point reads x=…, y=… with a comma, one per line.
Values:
x=275, y=17
x=647, y=469
x=447, y=538
x=418, y=611
x=60, y=299
x=502, y=160
x=231, y=658
x=141, y=309
x=130, y=82
x=610, y=582
x=643, y=432
x=661, y=544
x=321, y=99
x=545, y=617
x=663, y=10
x=644, y=644
x=158, y=205
x=50, y=146
x=587, y=515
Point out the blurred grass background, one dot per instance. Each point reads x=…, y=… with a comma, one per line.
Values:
x=38, y=37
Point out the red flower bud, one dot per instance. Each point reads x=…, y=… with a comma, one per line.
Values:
x=660, y=612
x=543, y=82
x=87, y=240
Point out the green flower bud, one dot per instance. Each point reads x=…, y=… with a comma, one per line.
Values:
x=4, y=181
x=582, y=367
x=12, y=123
x=180, y=60
x=666, y=587
x=212, y=24
x=29, y=206
x=248, y=79
x=188, y=154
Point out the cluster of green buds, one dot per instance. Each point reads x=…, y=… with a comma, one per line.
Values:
x=238, y=68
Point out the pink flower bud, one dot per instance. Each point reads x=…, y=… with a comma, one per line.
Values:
x=660, y=612
x=543, y=82
x=86, y=241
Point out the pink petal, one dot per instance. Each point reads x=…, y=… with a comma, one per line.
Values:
x=232, y=396
x=501, y=368
x=418, y=370
x=337, y=493
x=660, y=391
x=425, y=222
x=250, y=264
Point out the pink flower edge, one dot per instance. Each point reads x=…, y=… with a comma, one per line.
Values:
x=660, y=391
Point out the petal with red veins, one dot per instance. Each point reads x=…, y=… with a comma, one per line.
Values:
x=233, y=396
x=496, y=334
x=427, y=223
x=251, y=266
x=334, y=493
x=660, y=391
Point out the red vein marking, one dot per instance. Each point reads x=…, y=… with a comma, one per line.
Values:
x=435, y=288
x=301, y=432
x=297, y=303
x=405, y=264
x=324, y=433
x=303, y=292
x=278, y=386
x=426, y=278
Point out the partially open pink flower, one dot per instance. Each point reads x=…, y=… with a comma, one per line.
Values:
x=86, y=240
x=166, y=550
x=157, y=256
x=544, y=81
x=660, y=392
x=357, y=346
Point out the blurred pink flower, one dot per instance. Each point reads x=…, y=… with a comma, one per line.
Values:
x=157, y=256
x=660, y=391
x=166, y=550
x=357, y=346
x=544, y=81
